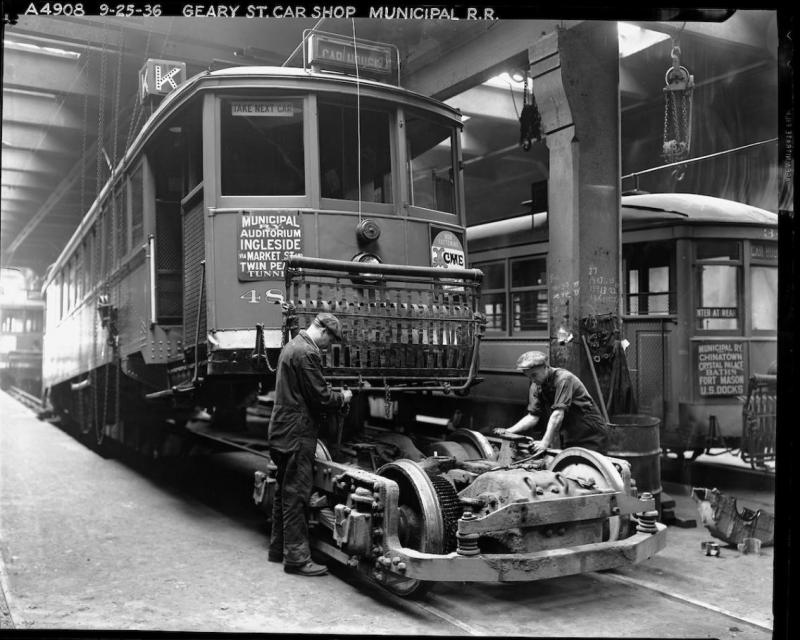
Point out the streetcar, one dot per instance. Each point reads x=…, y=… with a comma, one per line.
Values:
x=699, y=312
x=21, y=326
x=252, y=199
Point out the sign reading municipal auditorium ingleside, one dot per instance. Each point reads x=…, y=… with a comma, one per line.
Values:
x=265, y=239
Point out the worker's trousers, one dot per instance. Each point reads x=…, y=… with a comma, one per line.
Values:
x=289, y=518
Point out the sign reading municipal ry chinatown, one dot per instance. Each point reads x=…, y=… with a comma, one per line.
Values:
x=720, y=368
x=264, y=241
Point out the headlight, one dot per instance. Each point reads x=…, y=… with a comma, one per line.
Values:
x=366, y=258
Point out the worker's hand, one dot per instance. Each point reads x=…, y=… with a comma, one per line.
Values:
x=540, y=446
x=499, y=431
x=346, y=395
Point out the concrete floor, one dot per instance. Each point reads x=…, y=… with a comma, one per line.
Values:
x=92, y=543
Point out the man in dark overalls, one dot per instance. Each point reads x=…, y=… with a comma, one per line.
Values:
x=572, y=411
x=301, y=395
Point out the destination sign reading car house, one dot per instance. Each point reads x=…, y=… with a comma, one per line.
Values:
x=264, y=241
x=332, y=53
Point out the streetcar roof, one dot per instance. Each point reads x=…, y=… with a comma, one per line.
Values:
x=334, y=78
x=694, y=208
x=647, y=209
x=192, y=85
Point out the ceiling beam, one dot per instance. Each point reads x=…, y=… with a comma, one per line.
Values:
x=40, y=111
x=488, y=102
x=47, y=73
x=22, y=193
x=756, y=29
x=28, y=136
x=69, y=32
x=476, y=60
x=52, y=201
x=29, y=160
x=26, y=179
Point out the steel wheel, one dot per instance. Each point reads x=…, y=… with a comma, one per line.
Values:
x=421, y=524
x=322, y=452
x=577, y=462
x=451, y=449
x=476, y=444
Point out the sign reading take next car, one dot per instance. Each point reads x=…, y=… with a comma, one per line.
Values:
x=265, y=108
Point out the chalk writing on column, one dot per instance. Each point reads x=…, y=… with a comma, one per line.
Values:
x=601, y=287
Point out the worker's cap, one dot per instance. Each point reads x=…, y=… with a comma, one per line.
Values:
x=331, y=323
x=531, y=360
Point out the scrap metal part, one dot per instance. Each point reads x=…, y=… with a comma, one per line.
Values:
x=721, y=516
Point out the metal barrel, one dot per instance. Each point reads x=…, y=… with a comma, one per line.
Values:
x=635, y=438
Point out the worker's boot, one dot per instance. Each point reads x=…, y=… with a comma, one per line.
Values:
x=310, y=568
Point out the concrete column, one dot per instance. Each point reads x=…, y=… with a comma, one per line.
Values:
x=576, y=84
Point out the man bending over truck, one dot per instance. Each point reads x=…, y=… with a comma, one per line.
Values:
x=561, y=395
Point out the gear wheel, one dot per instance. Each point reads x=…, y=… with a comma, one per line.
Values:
x=451, y=510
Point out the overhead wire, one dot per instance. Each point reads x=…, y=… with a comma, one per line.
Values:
x=358, y=119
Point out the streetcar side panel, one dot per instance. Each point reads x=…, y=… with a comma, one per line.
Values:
x=698, y=312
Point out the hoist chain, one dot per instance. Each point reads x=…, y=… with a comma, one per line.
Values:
x=677, y=109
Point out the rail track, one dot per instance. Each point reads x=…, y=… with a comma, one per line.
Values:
x=477, y=609
x=25, y=398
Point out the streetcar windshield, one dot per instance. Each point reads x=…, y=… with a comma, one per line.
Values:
x=262, y=147
x=355, y=152
x=429, y=146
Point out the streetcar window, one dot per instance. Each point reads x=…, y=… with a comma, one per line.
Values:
x=137, y=200
x=719, y=297
x=524, y=293
x=493, y=294
x=494, y=275
x=79, y=272
x=97, y=232
x=62, y=295
x=764, y=294
x=431, y=179
x=354, y=164
x=88, y=261
x=262, y=147
x=648, y=276
x=121, y=218
x=529, y=304
x=718, y=277
x=106, y=240
x=717, y=250
x=70, y=284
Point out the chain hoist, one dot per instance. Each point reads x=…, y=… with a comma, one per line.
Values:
x=530, y=121
x=677, y=109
